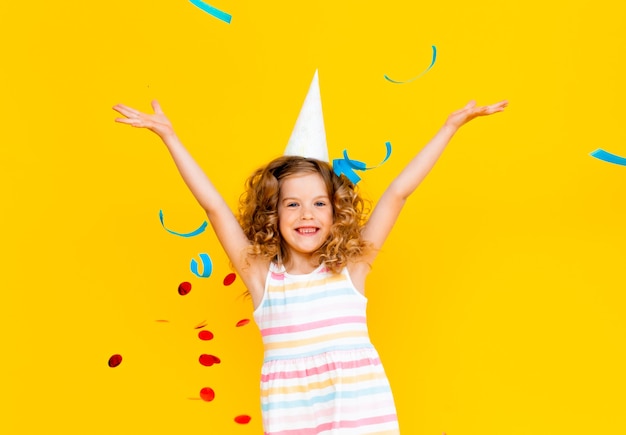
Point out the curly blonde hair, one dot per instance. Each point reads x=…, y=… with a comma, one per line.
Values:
x=258, y=213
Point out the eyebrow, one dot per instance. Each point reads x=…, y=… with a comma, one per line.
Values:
x=295, y=198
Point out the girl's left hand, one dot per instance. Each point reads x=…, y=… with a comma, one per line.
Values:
x=157, y=122
x=471, y=111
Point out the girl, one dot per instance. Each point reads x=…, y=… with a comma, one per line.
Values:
x=303, y=248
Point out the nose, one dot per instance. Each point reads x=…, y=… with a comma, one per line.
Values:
x=306, y=213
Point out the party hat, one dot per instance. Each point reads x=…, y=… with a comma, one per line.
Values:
x=308, y=138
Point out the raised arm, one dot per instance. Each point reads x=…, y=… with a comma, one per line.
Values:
x=388, y=208
x=222, y=219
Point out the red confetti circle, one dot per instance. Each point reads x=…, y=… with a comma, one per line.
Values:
x=115, y=360
x=207, y=394
x=243, y=419
x=184, y=288
x=229, y=279
x=205, y=335
x=208, y=360
x=243, y=322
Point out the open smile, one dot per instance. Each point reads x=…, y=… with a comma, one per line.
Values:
x=307, y=231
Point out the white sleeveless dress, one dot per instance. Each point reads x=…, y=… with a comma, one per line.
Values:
x=321, y=374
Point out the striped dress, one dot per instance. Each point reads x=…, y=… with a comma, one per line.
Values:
x=321, y=374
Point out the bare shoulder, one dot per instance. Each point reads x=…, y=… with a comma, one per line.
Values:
x=358, y=271
x=254, y=274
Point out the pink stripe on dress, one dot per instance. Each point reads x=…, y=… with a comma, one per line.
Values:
x=363, y=422
x=313, y=325
x=321, y=369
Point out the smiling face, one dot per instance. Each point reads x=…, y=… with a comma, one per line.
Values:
x=305, y=215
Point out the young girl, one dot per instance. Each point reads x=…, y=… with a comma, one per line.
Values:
x=303, y=248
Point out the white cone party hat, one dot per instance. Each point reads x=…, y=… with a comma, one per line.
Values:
x=308, y=138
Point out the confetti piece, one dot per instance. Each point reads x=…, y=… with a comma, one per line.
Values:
x=207, y=394
x=162, y=321
x=229, y=279
x=242, y=322
x=208, y=360
x=207, y=266
x=608, y=157
x=201, y=325
x=205, y=335
x=418, y=76
x=200, y=230
x=184, y=288
x=115, y=360
x=243, y=419
x=220, y=15
x=347, y=166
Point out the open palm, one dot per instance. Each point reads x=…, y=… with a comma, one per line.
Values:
x=471, y=111
x=157, y=122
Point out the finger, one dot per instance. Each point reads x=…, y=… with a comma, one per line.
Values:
x=125, y=110
x=157, y=107
x=497, y=107
x=499, y=104
x=119, y=108
x=127, y=121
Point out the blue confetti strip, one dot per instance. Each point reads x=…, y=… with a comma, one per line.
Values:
x=608, y=157
x=191, y=234
x=347, y=166
x=207, y=266
x=418, y=76
x=220, y=15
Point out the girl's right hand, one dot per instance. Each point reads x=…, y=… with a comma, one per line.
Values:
x=471, y=111
x=158, y=122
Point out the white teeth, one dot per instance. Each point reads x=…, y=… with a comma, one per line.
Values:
x=307, y=230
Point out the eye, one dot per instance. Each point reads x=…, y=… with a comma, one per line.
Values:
x=291, y=204
x=320, y=204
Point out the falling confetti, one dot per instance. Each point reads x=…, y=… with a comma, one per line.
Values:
x=201, y=325
x=194, y=233
x=229, y=279
x=207, y=394
x=243, y=419
x=115, y=360
x=209, y=360
x=608, y=157
x=184, y=288
x=207, y=266
x=220, y=15
x=347, y=166
x=432, y=62
x=242, y=322
x=205, y=335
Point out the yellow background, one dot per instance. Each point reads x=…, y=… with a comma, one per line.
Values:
x=498, y=302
